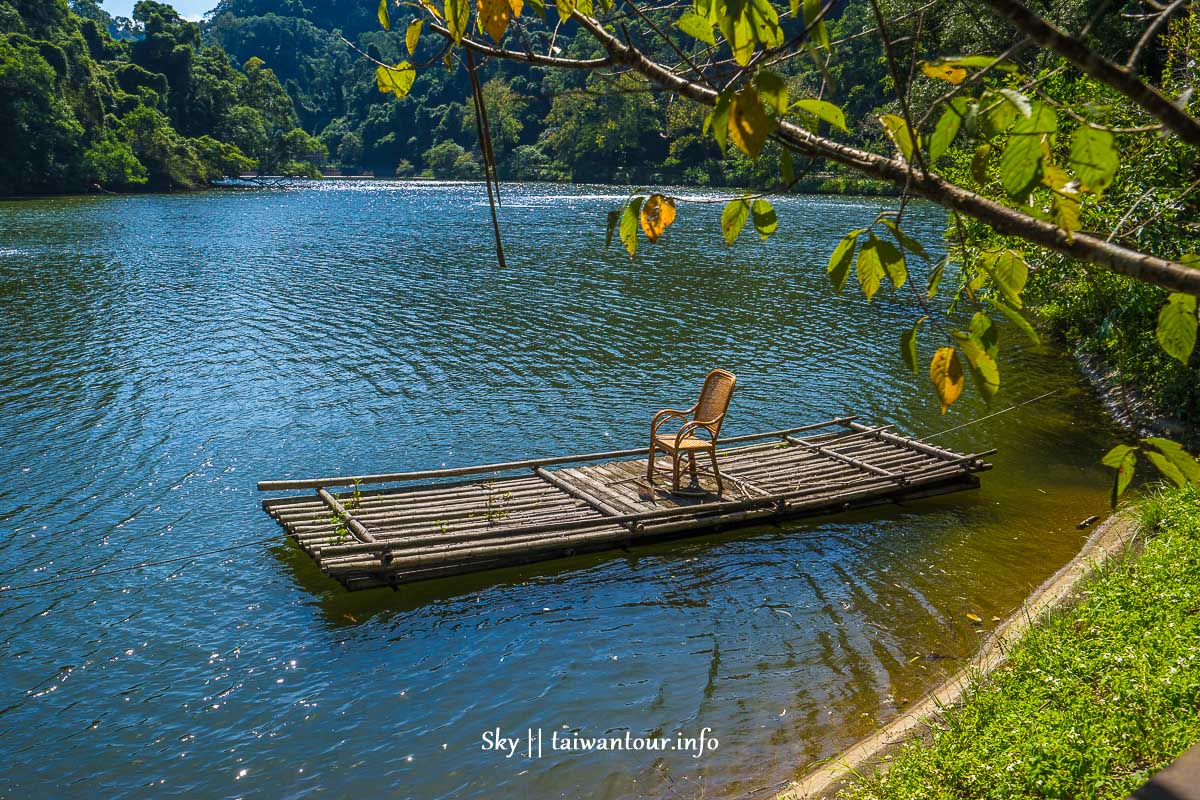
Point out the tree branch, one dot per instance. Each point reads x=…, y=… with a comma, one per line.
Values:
x=1099, y=68
x=1161, y=272
x=529, y=58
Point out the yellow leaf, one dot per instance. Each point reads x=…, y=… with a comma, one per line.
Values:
x=431, y=8
x=495, y=15
x=899, y=132
x=413, y=35
x=658, y=213
x=945, y=371
x=397, y=80
x=458, y=14
x=975, y=618
x=516, y=6
x=749, y=125
x=945, y=72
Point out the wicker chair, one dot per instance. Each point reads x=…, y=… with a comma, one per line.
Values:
x=707, y=416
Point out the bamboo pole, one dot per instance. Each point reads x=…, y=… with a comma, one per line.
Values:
x=530, y=463
x=825, y=451
x=576, y=491
x=914, y=444
x=658, y=514
x=427, y=556
x=354, y=525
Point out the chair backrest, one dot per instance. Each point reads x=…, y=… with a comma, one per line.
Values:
x=714, y=399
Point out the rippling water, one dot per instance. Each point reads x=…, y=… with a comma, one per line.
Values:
x=160, y=354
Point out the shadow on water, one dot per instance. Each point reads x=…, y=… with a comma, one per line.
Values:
x=342, y=608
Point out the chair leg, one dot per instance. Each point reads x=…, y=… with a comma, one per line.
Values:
x=716, y=471
x=692, y=467
x=650, y=463
x=675, y=470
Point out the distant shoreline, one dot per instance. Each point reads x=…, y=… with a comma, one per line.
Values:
x=273, y=181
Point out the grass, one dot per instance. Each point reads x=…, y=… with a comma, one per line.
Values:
x=1093, y=700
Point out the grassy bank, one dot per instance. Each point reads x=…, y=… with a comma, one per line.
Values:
x=1093, y=700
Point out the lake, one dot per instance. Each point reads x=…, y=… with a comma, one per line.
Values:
x=160, y=354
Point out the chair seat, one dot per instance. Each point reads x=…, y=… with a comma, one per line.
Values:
x=689, y=443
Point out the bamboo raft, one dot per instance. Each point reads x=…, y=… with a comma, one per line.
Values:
x=539, y=509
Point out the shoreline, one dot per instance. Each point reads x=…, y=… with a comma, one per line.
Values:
x=1134, y=413
x=239, y=182
x=1115, y=535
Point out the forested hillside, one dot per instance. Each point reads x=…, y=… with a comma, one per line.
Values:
x=155, y=108
x=546, y=124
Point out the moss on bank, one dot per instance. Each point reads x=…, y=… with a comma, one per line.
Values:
x=1093, y=700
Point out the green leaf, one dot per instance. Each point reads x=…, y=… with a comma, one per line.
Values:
x=979, y=163
x=739, y=35
x=1094, y=157
x=1179, y=458
x=611, y=227
x=539, y=8
x=733, y=219
x=893, y=262
x=869, y=267
x=413, y=35
x=1166, y=468
x=749, y=125
x=981, y=365
x=984, y=331
x=1065, y=191
x=764, y=22
x=765, y=219
x=1125, y=469
x=565, y=9
x=718, y=120
x=1019, y=101
x=947, y=128
x=819, y=33
x=907, y=242
x=1114, y=457
x=397, y=80
x=998, y=116
x=696, y=27
x=385, y=19
x=630, y=221
x=773, y=90
x=585, y=7
x=822, y=110
x=1015, y=318
x=1176, y=330
x=899, y=132
x=843, y=255
x=1021, y=161
x=908, y=346
x=935, y=277
x=1009, y=272
x=458, y=14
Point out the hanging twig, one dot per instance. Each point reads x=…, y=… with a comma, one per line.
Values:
x=485, y=147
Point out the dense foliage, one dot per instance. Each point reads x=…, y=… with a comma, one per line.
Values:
x=151, y=107
x=546, y=123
